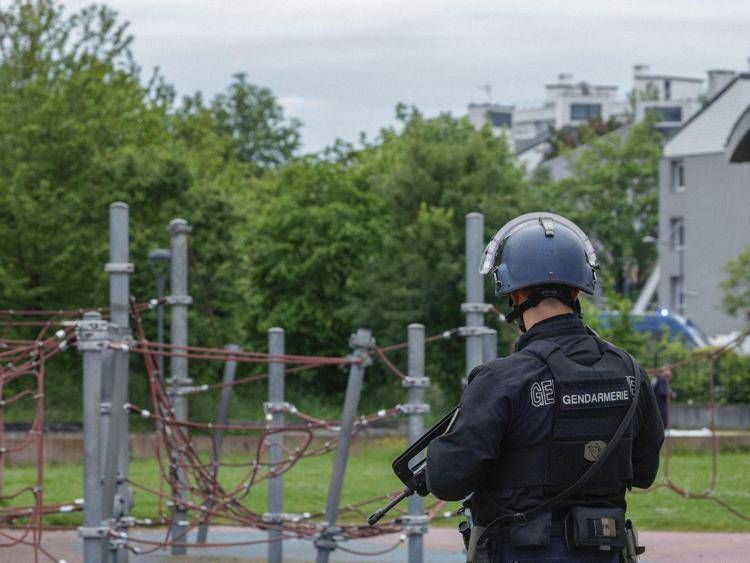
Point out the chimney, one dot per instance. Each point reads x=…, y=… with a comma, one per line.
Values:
x=641, y=69
x=717, y=80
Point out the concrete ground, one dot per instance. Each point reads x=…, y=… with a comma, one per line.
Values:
x=442, y=545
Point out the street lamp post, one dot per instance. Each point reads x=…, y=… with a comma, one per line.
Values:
x=158, y=260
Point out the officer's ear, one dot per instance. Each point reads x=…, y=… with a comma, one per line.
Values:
x=519, y=296
x=574, y=294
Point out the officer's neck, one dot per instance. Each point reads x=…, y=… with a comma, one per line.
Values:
x=547, y=308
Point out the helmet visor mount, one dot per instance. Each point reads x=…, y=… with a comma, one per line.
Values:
x=546, y=221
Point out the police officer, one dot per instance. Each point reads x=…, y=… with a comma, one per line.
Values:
x=531, y=424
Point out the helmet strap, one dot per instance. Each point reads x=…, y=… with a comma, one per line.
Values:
x=561, y=293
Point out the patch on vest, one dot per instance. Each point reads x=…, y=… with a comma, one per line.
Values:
x=597, y=399
x=543, y=393
x=593, y=449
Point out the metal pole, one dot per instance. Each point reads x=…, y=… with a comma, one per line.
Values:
x=160, y=288
x=489, y=345
x=92, y=339
x=179, y=301
x=275, y=408
x=114, y=504
x=105, y=406
x=416, y=382
x=475, y=307
x=230, y=368
x=361, y=343
x=119, y=269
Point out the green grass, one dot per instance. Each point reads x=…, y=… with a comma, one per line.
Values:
x=369, y=475
x=663, y=509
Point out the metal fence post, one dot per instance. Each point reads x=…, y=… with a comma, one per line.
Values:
x=361, y=343
x=275, y=408
x=489, y=345
x=114, y=504
x=475, y=307
x=119, y=269
x=92, y=339
x=179, y=301
x=230, y=368
x=416, y=382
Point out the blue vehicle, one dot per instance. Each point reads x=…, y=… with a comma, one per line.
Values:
x=657, y=323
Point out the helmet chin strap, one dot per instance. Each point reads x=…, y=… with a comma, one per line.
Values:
x=561, y=293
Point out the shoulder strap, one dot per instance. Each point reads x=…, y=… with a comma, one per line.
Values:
x=549, y=505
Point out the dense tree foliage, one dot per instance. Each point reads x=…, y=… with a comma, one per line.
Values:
x=371, y=235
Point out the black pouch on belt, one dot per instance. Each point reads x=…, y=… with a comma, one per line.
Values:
x=596, y=528
x=535, y=532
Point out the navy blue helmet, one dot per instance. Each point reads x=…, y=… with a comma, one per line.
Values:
x=538, y=249
x=543, y=252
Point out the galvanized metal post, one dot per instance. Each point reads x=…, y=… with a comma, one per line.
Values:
x=416, y=382
x=119, y=269
x=475, y=307
x=105, y=406
x=230, y=368
x=92, y=339
x=361, y=343
x=489, y=345
x=275, y=409
x=179, y=301
x=160, y=288
x=114, y=504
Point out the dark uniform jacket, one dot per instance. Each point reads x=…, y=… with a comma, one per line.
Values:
x=496, y=412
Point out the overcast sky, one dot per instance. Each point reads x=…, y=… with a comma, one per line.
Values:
x=342, y=65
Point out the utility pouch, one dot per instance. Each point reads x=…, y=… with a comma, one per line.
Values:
x=596, y=528
x=535, y=533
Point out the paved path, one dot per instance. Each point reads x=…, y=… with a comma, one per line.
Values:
x=442, y=545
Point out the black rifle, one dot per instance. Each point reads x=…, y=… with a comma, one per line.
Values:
x=414, y=477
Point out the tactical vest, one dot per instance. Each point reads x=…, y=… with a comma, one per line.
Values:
x=589, y=404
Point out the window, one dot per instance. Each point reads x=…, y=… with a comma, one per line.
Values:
x=582, y=112
x=667, y=89
x=678, y=176
x=669, y=113
x=675, y=293
x=499, y=118
x=677, y=233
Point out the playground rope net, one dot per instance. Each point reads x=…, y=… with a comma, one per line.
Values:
x=191, y=477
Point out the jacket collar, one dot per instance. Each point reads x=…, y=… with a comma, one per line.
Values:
x=569, y=323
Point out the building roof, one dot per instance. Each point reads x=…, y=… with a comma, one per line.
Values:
x=706, y=132
x=527, y=144
x=666, y=77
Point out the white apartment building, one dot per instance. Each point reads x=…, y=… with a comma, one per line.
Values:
x=567, y=104
x=673, y=99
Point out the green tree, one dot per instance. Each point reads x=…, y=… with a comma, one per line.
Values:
x=313, y=227
x=429, y=173
x=254, y=121
x=736, y=286
x=71, y=108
